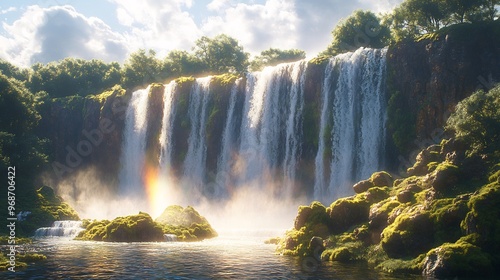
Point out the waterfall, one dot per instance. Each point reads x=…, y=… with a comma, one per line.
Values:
x=194, y=164
x=252, y=132
x=353, y=94
x=228, y=138
x=60, y=229
x=166, y=128
x=271, y=130
x=133, y=148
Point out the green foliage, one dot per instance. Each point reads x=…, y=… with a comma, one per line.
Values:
x=134, y=228
x=361, y=29
x=181, y=63
x=186, y=223
x=476, y=121
x=414, y=18
x=221, y=54
x=401, y=121
x=74, y=77
x=141, y=69
x=273, y=57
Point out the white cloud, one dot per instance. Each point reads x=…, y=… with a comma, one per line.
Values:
x=8, y=10
x=159, y=25
x=217, y=5
x=50, y=34
x=257, y=26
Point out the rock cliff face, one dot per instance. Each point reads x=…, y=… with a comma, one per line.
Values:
x=427, y=78
x=85, y=132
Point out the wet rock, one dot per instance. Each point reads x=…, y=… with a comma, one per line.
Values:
x=362, y=186
x=382, y=179
x=457, y=259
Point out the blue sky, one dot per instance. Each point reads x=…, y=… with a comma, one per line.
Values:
x=50, y=30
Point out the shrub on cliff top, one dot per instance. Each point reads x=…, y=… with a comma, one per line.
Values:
x=476, y=120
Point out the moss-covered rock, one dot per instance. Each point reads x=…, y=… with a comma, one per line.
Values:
x=347, y=212
x=313, y=217
x=382, y=179
x=46, y=208
x=186, y=223
x=362, y=186
x=411, y=234
x=134, y=228
x=457, y=259
x=444, y=178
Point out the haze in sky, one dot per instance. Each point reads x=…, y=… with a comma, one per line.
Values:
x=50, y=30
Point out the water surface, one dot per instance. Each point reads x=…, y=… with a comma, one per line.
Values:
x=229, y=256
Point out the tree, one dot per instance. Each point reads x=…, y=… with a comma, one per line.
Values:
x=464, y=9
x=272, y=57
x=361, y=29
x=181, y=63
x=74, y=77
x=142, y=68
x=18, y=118
x=476, y=120
x=221, y=54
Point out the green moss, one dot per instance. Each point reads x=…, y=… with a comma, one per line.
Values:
x=117, y=90
x=182, y=80
x=447, y=215
x=134, y=228
x=411, y=234
x=186, y=223
x=319, y=60
x=22, y=260
x=431, y=166
x=457, y=259
x=28, y=258
x=4, y=240
x=483, y=217
x=347, y=212
x=224, y=79
x=403, y=266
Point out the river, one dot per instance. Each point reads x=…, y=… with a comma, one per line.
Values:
x=232, y=255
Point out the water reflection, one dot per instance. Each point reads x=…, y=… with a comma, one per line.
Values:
x=230, y=256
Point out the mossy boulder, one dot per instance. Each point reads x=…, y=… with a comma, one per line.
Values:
x=459, y=259
x=379, y=213
x=484, y=217
x=313, y=217
x=178, y=216
x=186, y=223
x=134, y=228
x=347, y=212
x=362, y=186
x=381, y=179
x=411, y=234
x=424, y=158
x=445, y=178
x=45, y=207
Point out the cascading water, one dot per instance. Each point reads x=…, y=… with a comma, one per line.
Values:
x=166, y=129
x=194, y=164
x=60, y=229
x=354, y=110
x=260, y=137
x=134, y=145
x=271, y=129
x=223, y=177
